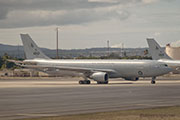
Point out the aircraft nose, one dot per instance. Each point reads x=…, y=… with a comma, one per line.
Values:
x=169, y=69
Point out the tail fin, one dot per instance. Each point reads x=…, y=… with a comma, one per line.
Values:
x=156, y=51
x=31, y=50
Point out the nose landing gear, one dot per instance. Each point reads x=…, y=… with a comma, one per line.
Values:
x=153, y=81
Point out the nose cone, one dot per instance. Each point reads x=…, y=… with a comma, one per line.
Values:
x=163, y=70
x=167, y=70
x=160, y=69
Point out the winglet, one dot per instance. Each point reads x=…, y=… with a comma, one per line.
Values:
x=31, y=50
x=155, y=50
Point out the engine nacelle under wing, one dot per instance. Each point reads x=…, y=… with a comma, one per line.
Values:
x=100, y=76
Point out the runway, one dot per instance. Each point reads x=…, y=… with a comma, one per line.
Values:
x=29, y=98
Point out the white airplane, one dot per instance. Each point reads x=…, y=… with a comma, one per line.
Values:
x=98, y=70
x=159, y=54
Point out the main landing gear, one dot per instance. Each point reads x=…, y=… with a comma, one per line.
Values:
x=84, y=82
x=153, y=81
x=105, y=82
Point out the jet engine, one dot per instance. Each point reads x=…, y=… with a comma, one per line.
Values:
x=100, y=77
x=131, y=78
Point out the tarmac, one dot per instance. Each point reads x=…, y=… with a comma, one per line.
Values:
x=41, y=97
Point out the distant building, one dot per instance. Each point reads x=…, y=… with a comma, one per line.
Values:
x=25, y=73
x=173, y=51
x=6, y=73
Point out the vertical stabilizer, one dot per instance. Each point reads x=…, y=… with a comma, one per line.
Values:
x=31, y=50
x=156, y=51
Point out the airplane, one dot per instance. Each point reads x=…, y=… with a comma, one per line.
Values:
x=97, y=70
x=159, y=54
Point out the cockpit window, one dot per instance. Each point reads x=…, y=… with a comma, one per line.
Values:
x=162, y=65
x=166, y=65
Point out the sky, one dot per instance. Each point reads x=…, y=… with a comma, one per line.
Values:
x=90, y=23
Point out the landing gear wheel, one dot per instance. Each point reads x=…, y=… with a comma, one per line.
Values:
x=98, y=82
x=106, y=82
x=84, y=82
x=81, y=82
x=153, y=81
x=87, y=82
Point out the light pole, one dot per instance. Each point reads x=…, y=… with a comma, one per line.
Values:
x=57, y=38
x=108, y=48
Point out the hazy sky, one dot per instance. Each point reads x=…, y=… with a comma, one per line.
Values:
x=90, y=23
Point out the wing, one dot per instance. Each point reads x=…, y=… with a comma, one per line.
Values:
x=86, y=71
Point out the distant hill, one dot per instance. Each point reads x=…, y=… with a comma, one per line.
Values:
x=18, y=51
x=9, y=47
x=11, y=50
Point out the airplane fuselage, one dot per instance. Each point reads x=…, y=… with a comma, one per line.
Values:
x=121, y=68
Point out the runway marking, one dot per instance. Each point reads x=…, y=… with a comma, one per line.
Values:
x=37, y=114
x=9, y=84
